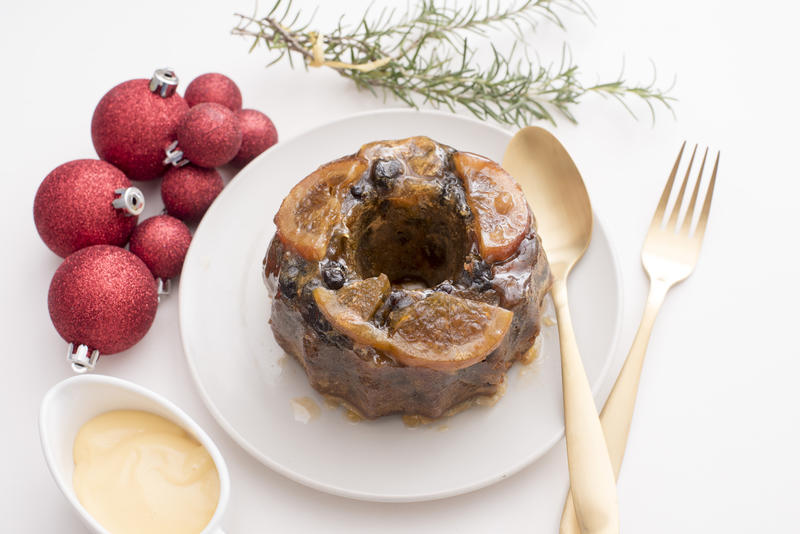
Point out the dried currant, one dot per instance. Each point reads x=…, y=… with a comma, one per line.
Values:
x=358, y=190
x=333, y=274
x=399, y=300
x=310, y=311
x=384, y=171
x=453, y=193
x=445, y=287
x=287, y=280
x=477, y=274
x=482, y=275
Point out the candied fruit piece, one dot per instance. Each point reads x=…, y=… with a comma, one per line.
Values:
x=498, y=203
x=364, y=296
x=349, y=309
x=419, y=152
x=441, y=331
x=357, y=301
x=447, y=332
x=308, y=214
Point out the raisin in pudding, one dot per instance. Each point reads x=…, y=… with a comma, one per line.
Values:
x=406, y=278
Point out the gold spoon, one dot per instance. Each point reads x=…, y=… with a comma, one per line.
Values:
x=558, y=197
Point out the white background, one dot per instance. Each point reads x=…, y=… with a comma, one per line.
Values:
x=715, y=439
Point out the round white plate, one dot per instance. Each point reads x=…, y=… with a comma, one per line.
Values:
x=248, y=383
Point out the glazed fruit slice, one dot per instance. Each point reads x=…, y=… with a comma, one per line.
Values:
x=349, y=309
x=497, y=202
x=313, y=207
x=419, y=152
x=447, y=332
x=363, y=297
x=441, y=331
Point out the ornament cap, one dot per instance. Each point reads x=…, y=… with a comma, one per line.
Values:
x=130, y=200
x=163, y=287
x=174, y=155
x=81, y=359
x=164, y=82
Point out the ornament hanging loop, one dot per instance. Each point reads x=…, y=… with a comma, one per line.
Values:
x=174, y=155
x=81, y=359
x=164, y=82
x=130, y=200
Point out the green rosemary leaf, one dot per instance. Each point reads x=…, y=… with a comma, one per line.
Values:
x=425, y=56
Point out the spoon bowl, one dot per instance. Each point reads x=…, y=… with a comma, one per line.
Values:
x=72, y=402
x=558, y=197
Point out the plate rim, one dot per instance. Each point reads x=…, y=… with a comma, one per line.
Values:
x=240, y=440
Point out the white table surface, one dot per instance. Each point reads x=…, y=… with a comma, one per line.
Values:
x=716, y=434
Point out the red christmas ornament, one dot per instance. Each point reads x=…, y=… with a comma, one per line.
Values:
x=214, y=87
x=85, y=202
x=209, y=135
x=136, y=121
x=188, y=191
x=258, y=134
x=161, y=242
x=102, y=299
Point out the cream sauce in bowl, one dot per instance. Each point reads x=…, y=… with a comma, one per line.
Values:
x=138, y=472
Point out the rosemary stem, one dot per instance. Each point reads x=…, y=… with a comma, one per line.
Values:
x=427, y=55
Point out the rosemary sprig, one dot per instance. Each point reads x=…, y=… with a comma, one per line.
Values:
x=425, y=56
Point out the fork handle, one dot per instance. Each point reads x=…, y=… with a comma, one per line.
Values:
x=616, y=416
x=590, y=471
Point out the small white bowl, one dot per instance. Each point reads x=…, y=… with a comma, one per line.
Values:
x=72, y=402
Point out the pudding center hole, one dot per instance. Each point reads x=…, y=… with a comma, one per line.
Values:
x=411, y=244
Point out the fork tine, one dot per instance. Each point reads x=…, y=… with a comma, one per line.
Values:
x=658, y=216
x=701, y=223
x=673, y=218
x=687, y=222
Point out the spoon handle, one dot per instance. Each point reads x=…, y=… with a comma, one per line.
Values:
x=590, y=473
x=618, y=411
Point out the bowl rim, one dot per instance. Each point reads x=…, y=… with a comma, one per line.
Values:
x=182, y=419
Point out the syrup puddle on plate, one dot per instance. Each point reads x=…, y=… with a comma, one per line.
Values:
x=305, y=409
x=527, y=364
x=350, y=413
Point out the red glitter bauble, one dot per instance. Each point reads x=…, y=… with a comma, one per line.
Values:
x=132, y=126
x=258, y=134
x=161, y=242
x=73, y=207
x=209, y=135
x=214, y=87
x=188, y=191
x=103, y=297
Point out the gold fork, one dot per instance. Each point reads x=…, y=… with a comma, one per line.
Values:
x=669, y=255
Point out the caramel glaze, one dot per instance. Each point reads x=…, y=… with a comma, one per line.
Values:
x=406, y=216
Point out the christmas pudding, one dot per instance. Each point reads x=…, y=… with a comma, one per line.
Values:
x=406, y=278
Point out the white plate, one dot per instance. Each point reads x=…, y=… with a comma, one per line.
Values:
x=248, y=383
